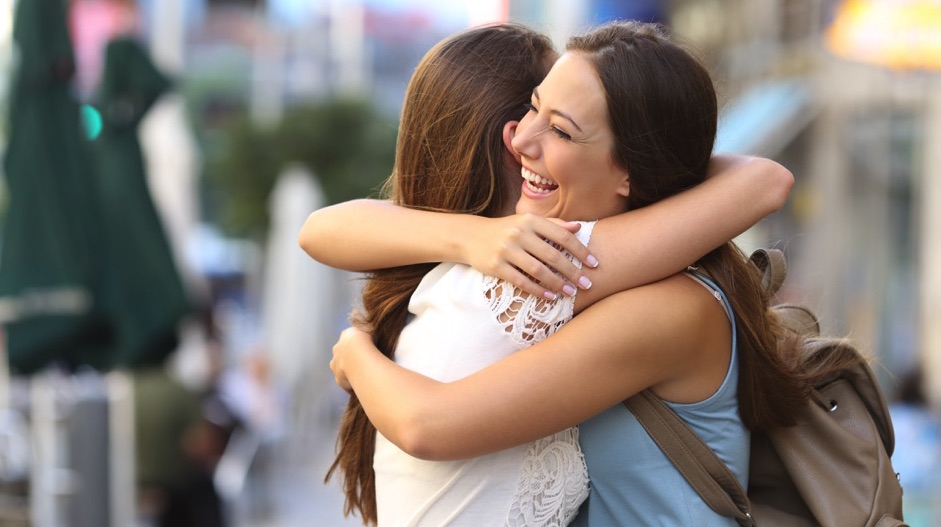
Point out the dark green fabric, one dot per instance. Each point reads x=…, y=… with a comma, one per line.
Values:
x=165, y=411
x=51, y=256
x=144, y=290
x=86, y=272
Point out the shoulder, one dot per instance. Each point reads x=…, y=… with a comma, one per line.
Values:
x=445, y=280
x=676, y=319
x=675, y=301
x=697, y=339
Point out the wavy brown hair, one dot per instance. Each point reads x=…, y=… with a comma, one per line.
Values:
x=663, y=113
x=450, y=157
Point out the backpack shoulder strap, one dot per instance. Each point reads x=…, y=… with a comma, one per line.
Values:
x=698, y=463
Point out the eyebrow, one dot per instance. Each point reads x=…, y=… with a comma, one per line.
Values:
x=559, y=113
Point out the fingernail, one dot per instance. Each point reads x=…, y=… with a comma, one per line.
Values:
x=584, y=282
x=569, y=290
x=550, y=295
x=591, y=261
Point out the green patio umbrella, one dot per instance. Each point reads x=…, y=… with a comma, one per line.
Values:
x=51, y=250
x=144, y=289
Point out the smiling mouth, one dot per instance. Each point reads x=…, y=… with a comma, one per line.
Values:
x=537, y=183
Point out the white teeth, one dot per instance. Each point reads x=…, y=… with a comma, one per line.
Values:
x=535, y=179
x=536, y=189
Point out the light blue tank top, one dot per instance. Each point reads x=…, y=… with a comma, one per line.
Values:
x=632, y=481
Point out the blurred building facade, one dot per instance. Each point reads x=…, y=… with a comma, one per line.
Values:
x=857, y=136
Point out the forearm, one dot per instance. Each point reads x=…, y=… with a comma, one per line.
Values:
x=530, y=394
x=428, y=419
x=362, y=235
x=656, y=241
x=764, y=183
x=404, y=419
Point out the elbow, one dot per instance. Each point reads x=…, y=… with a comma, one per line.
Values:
x=421, y=439
x=416, y=444
x=311, y=239
x=780, y=183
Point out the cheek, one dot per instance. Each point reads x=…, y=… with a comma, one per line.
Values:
x=566, y=169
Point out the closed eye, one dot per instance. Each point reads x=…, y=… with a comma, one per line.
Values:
x=530, y=107
x=560, y=133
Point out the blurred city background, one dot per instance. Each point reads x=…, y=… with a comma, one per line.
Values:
x=167, y=342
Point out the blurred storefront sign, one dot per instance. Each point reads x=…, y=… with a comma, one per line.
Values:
x=901, y=35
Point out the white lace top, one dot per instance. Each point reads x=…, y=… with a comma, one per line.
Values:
x=462, y=322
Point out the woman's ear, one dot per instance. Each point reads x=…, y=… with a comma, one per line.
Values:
x=624, y=187
x=509, y=132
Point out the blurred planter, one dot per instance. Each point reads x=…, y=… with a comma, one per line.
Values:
x=347, y=144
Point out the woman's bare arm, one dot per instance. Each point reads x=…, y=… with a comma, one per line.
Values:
x=362, y=235
x=656, y=241
x=629, y=341
x=634, y=248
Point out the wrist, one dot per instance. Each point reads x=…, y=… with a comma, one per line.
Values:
x=461, y=248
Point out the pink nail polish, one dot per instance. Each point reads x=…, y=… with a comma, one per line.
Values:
x=569, y=290
x=591, y=261
x=584, y=282
x=550, y=295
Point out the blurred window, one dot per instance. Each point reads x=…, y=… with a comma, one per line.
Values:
x=245, y=3
x=797, y=20
x=883, y=143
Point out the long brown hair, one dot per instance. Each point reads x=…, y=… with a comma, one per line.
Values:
x=450, y=157
x=662, y=110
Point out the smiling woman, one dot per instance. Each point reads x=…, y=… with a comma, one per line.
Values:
x=565, y=144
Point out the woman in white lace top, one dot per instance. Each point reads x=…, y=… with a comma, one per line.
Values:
x=455, y=154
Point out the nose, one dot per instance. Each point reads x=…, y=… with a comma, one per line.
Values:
x=524, y=140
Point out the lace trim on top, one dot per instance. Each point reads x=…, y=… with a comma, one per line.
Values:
x=529, y=319
x=553, y=482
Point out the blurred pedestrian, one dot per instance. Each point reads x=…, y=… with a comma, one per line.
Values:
x=173, y=439
x=181, y=433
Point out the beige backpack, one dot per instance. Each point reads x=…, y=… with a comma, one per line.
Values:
x=832, y=469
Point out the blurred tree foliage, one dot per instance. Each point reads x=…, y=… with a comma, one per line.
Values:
x=346, y=144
